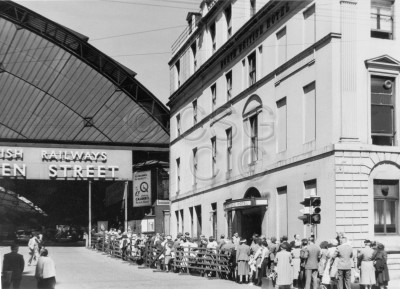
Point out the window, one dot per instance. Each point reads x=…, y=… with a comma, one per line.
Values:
x=194, y=166
x=229, y=149
x=194, y=54
x=178, y=174
x=214, y=219
x=382, y=19
x=252, y=8
x=253, y=138
x=177, y=74
x=228, y=16
x=214, y=155
x=282, y=124
x=213, y=96
x=191, y=221
x=382, y=110
x=252, y=68
x=177, y=221
x=182, y=221
x=178, y=124
x=282, y=46
x=386, y=200
x=194, y=103
x=190, y=24
x=309, y=26
x=282, y=211
x=213, y=39
x=228, y=77
x=198, y=219
x=309, y=123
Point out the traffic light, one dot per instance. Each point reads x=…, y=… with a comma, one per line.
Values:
x=315, y=210
x=306, y=217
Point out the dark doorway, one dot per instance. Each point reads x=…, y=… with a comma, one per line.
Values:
x=251, y=223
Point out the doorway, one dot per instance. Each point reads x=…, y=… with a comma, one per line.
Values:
x=251, y=222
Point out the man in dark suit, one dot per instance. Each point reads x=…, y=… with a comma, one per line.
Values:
x=311, y=253
x=15, y=263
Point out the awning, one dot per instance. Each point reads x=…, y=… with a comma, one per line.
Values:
x=11, y=200
x=245, y=203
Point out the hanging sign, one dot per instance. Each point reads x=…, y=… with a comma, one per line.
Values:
x=142, y=189
x=65, y=164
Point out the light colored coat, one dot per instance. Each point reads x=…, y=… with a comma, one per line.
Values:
x=345, y=254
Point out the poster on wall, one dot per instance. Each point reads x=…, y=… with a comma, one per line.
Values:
x=142, y=189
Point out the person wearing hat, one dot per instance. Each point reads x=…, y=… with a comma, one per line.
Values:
x=242, y=258
x=381, y=269
x=366, y=265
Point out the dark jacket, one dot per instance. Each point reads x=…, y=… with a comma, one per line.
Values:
x=14, y=262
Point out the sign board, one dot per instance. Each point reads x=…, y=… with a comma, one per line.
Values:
x=33, y=163
x=147, y=225
x=163, y=202
x=142, y=189
x=245, y=203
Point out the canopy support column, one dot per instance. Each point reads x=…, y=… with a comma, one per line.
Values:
x=90, y=215
x=126, y=207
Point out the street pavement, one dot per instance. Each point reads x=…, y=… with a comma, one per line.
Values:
x=81, y=268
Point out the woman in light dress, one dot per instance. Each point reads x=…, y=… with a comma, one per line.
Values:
x=366, y=265
x=296, y=261
x=283, y=261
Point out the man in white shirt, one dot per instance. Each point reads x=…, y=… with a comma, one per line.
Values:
x=45, y=271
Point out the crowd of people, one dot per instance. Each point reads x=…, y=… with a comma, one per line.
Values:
x=14, y=265
x=299, y=263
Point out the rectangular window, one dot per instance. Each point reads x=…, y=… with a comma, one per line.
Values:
x=191, y=222
x=282, y=211
x=282, y=46
x=194, y=55
x=178, y=124
x=213, y=96
x=214, y=155
x=252, y=68
x=310, y=188
x=194, y=166
x=254, y=137
x=382, y=19
x=178, y=174
x=282, y=125
x=198, y=220
x=386, y=199
x=228, y=16
x=309, y=26
x=229, y=149
x=177, y=221
x=194, y=104
x=228, y=77
x=213, y=38
x=252, y=8
x=382, y=110
x=177, y=74
x=214, y=219
x=182, y=221
x=309, y=117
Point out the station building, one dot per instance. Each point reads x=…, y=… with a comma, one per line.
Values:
x=274, y=101
x=73, y=124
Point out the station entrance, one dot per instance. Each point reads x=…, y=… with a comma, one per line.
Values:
x=245, y=216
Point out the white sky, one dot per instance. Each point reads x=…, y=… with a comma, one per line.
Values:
x=113, y=25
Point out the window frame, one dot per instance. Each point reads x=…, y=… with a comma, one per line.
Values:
x=392, y=106
x=253, y=8
x=178, y=124
x=213, y=96
x=213, y=34
x=253, y=122
x=178, y=174
x=228, y=77
x=214, y=155
x=229, y=149
x=195, y=110
x=228, y=17
x=385, y=201
x=376, y=32
x=195, y=166
x=252, y=62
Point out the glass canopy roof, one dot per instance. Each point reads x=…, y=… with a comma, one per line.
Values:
x=55, y=87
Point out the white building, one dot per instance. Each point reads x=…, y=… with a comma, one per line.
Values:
x=274, y=100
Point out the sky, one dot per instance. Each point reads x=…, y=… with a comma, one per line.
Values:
x=137, y=33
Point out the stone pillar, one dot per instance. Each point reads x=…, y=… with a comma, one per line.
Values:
x=348, y=52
